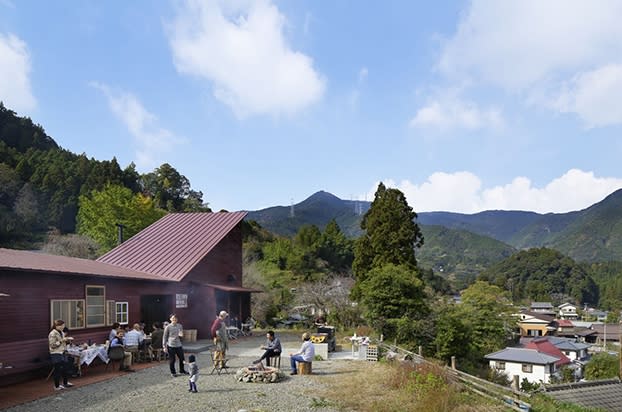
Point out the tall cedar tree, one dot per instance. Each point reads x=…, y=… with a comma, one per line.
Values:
x=391, y=236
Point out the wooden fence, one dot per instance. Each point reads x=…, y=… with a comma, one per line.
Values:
x=511, y=398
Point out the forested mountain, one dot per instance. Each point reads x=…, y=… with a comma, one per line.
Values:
x=459, y=255
x=318, y=209
x=41, y=183
x=591, y=235
x=542, y=274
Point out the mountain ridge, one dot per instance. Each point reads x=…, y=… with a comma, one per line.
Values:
x=591, y=234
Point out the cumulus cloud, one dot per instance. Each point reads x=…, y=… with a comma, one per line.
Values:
x=560, y=49
x=15, y=90
x=447, y=114
x=241, y=49
x=463, y=192
x=150, y=139
x=594, y=96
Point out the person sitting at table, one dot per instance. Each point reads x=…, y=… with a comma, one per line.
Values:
x=127, y=356
x=135, y=339
x=156, y=338
x=57, y=343
x=113, y=331
x=272, y=347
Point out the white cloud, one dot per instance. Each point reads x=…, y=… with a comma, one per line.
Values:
x=151, y=140
x=449, y=113
x=594, y=96
x=241, y=49
x=15, y=90
x=516, y=44
x=561, y=54
x=463, y=192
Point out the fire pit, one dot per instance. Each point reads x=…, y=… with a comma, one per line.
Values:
x=259, y=374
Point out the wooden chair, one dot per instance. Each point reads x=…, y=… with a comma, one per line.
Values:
x=116, y=353
x=274, y=361
x=219, y=363
x=158, y=354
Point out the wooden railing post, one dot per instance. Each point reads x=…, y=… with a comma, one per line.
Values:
x=453, y=362
x=420, y=350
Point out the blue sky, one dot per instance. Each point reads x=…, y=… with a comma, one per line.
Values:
x=464, y=106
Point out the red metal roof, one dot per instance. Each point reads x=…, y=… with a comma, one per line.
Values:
x=543, y=345
x=175, y=244
x=21, y=260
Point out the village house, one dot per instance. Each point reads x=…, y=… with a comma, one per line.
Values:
x=543, y=308
x=568, y=311
x=535, y=324
x=530, y=364
x=189, y=264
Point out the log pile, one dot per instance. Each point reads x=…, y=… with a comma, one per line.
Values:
x=259, y=374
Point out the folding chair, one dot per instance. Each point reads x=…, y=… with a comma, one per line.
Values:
x=219, y=363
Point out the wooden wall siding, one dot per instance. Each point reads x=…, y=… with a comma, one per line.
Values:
x=224, y=260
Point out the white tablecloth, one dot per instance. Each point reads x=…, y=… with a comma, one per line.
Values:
x=89, y=354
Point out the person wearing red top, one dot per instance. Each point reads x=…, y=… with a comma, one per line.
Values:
x=219, y=334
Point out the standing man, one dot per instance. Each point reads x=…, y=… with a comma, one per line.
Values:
x=221, y=340
x=171, y=343
x=272, y=347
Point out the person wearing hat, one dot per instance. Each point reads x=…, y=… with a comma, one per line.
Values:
x=305, y=354
x=221, y=340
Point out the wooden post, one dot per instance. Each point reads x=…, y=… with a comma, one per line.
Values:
x=453, y=362
x=515, y=385
x=420, y=351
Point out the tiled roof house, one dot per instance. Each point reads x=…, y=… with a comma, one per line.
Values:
x=189, y=264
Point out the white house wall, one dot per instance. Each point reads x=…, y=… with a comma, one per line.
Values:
x=539, y=372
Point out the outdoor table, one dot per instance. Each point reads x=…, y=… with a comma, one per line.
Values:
x=233, y=332
x=87, y=356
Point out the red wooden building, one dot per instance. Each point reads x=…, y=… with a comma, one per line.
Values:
x=189, y=264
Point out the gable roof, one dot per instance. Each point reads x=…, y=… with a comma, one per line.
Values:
x=604, y=394
x=20, y=260
x=522, y=355
x=545, y=346
x=172, y=246
x=565, y=323
x=531, y=316
x=542, y=305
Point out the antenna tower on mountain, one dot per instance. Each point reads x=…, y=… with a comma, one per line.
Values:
x=291, y=208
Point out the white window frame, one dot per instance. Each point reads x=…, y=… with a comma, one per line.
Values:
x=500, y=365
x=74, y=317
x=122, y=310
x=527, y=368
x=100, y=309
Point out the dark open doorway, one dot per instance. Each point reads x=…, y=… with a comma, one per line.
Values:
x=155, y=308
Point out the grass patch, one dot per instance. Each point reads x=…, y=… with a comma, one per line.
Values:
x=400, y=387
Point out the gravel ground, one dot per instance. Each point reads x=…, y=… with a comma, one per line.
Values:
x=154, y=388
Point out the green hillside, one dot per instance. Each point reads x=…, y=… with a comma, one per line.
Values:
x=542, y=274
x=459, y=255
